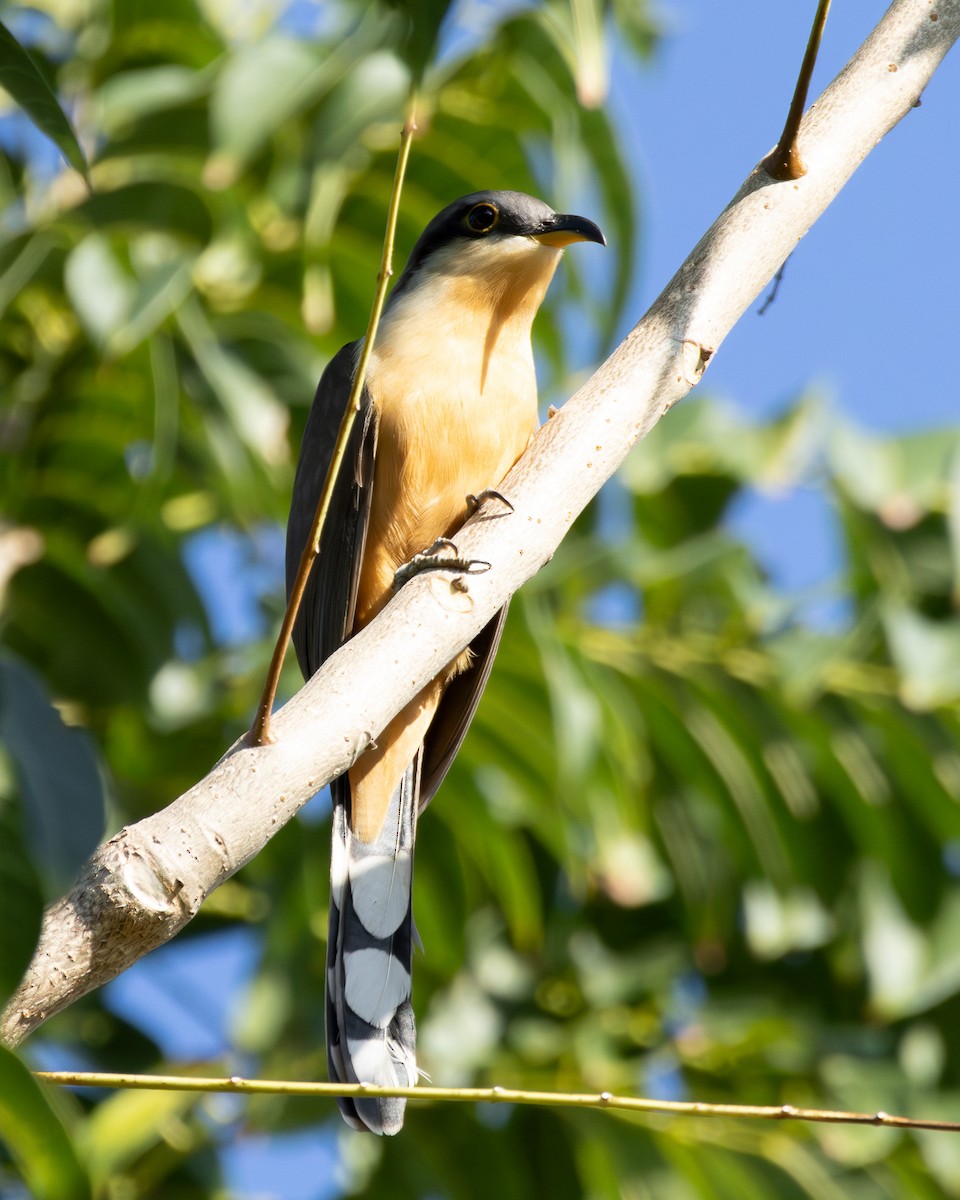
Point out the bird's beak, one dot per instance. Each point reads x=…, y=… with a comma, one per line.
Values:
x=564, y=228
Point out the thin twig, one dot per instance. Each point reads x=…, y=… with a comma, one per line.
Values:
x=491, y=1095
x=260, y=730
x=774, y=289
x=784, y=161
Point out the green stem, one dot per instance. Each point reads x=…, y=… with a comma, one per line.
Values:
x=260, y=730
x=491, y=1095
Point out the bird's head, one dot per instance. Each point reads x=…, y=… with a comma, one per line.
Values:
x=506, y=245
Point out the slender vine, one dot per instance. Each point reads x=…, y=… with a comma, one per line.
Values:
x=260, y=729
x=491, y=1095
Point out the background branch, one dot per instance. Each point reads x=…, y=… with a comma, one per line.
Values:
x=146, y=882
x=237, y=1085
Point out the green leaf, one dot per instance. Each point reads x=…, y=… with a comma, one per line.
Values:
x=577, y=29
x=927, y=654
x=162, y=289
x=58, y=773
x=373, y=91
x=248, y=400
x=129, y=1124
x=260, y=87
x=102, y=294
x=21, y=899
x=150, y=204
x=177, y=29
x=424, y=19
x=134, y=94
x=637, y=25
x=35, y=1138
x=20, y=76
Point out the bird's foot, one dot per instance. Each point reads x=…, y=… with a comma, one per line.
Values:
x=441, y=556
x=474, y=502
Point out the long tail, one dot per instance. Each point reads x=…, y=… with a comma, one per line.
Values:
x=371, y=1035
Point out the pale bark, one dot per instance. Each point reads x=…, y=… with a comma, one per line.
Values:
x=143, y=885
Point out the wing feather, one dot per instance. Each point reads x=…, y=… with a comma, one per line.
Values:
x=326, y=615
x=456, y=709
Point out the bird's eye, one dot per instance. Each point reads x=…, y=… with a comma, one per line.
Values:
x=482, y=218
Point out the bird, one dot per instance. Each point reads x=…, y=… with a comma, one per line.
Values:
x=448, y=406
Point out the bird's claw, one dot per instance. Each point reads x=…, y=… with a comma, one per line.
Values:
x=474, y=502
x=441, y=556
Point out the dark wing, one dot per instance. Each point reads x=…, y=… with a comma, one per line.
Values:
x=456, y=709
x=326, y=613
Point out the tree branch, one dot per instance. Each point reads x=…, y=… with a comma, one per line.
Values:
x=143, y=885
x=237, y=1085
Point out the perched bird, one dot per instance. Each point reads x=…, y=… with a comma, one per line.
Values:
x=449, y=405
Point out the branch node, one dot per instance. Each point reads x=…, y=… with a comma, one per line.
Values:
x=785, y=166
x=146, y=884
x=694, y=357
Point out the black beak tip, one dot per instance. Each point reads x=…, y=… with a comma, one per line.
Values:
x=586, y=230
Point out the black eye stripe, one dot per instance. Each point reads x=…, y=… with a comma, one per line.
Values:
x=482, y=217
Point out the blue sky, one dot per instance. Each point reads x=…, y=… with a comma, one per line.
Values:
x=870, y=294
x=869, y=301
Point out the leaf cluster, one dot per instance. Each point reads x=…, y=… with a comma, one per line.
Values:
x=694, y=845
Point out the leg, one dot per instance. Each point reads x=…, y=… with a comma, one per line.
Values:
x=441, y=556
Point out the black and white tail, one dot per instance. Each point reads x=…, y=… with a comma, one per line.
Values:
x=371, y=1035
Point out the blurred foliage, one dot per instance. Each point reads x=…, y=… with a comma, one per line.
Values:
x=695, y=845
x=24, y=82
